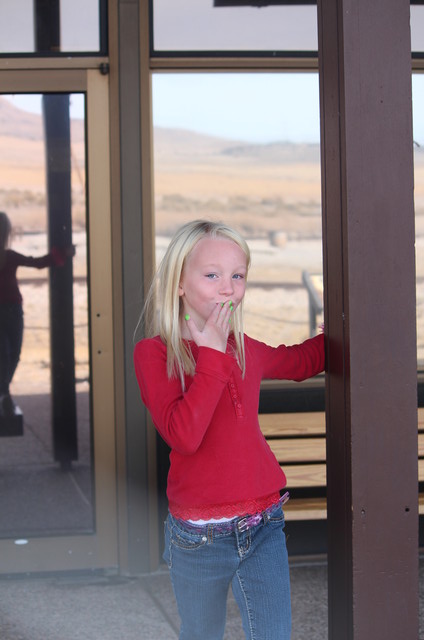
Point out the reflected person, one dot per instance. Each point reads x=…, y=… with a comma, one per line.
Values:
x=11, y=309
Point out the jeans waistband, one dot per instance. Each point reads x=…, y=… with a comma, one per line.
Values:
x=241, y=524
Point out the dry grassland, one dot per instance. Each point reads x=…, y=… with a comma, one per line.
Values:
x=272, y=195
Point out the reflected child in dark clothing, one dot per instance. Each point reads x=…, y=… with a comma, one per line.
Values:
x=11, y=310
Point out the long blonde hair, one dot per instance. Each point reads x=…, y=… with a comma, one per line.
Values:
x=163, y=308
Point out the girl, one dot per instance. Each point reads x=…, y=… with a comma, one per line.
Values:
x=200, y=379
x=11, y=312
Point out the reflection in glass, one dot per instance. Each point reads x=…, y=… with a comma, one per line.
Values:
x=66, y=26
x=200, y=25
x=417, y=29
x=46, y=473
x=196, y=25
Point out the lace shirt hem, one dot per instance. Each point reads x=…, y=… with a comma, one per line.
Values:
x=234, y=510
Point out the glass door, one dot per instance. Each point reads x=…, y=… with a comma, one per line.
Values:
x=57, y=452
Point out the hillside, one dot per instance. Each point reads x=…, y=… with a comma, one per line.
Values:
x=19, y=124
x=173, y=144
x=170, y=144
x=260, y=187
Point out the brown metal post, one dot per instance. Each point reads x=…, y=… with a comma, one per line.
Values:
x=369, y=278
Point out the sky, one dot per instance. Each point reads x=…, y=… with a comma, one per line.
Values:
x=261, y=107
x=251, y=107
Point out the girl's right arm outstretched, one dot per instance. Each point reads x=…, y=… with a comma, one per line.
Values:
x=56, y=258
x=182, y=419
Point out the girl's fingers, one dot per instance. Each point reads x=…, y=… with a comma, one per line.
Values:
x=216, y=330
x=224, y=317
x=219, y=314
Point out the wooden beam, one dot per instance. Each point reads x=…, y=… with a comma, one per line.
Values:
x=369, y=296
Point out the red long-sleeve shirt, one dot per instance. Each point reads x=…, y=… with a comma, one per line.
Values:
x=221, y=464
x=9, y=289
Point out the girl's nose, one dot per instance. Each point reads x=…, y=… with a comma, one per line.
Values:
x=227, y=287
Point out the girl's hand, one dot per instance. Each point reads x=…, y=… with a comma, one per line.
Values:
x=70, y=251
x=216, y=330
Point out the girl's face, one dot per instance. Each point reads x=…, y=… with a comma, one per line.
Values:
x=215, y=272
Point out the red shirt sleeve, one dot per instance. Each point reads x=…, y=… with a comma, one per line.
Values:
x=182, y=419
x=20, y=260
x=297, y=362
x=56, y=258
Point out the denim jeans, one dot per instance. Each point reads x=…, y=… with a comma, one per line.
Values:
x=204, y=563
x=11, y=332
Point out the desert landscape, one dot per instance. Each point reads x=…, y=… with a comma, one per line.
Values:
x=270, y=192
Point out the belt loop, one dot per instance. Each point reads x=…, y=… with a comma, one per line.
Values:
x=210, y=533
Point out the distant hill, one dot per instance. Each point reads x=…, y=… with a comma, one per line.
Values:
x=195, y=174
x=181, y=143
x=177, y=144
x=17, y=123
x=169, y=144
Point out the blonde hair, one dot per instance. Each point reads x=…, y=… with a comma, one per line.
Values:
x=163, y=308
x=5, y=231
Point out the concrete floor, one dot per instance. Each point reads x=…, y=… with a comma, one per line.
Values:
x=82, y=607
x=93, y=607
x=106, y=607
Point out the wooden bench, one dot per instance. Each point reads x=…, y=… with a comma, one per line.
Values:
x=298, y=442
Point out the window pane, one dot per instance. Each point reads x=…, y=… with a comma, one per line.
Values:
x=79, y=25
x=46, y=456
x=196, y=25
x=76, y=26
x=16, y=26
x=244, y=149
x=418, y=111
x=417, y=29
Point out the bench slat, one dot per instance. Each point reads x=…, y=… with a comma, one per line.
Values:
x=304, y=424
x=311, y=449
x=292, y=424
x=305, y=475
x=314, y=475
x=306, y=509
x=299, y=450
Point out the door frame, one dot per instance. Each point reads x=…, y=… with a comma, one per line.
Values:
x=99, y=549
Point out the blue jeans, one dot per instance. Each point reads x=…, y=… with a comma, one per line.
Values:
x=11, y=332
x=203, y=562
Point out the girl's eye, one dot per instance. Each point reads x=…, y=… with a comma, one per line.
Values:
x=238, y=276
x=211, y=276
